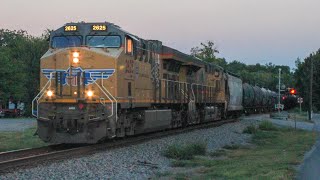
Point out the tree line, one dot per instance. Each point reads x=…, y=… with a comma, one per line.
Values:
x=258, y=74
x=302, y=76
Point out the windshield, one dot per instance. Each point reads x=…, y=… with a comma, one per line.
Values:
x=66, y=41
x=104, y=41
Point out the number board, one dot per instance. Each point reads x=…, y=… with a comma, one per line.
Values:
x=99, y=27
x=70, y=28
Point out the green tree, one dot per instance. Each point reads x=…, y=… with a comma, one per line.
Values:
x=207, y=52
x=302, y=76
x=19, y=71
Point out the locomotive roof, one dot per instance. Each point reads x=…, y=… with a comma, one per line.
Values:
x=84, y=28
x=170, y=53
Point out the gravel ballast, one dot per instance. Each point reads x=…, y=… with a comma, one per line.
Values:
x=126, y=162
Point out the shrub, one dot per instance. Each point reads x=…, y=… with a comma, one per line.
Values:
x=185, y=152
x=267, y=126
x=250, y=129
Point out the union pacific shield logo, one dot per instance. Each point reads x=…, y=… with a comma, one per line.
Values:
x=90, y=75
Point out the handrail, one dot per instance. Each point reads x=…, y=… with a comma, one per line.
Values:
x=41, y=93
x=182, y=91
x=102, y=82
x=194, y=97
x=105, y=95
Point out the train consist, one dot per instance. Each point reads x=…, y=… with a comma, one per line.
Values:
x=99, y=82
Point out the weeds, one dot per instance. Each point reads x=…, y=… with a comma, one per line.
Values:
x=274, y=154
x=267, y=126
x=185, y=152
x=250, y=129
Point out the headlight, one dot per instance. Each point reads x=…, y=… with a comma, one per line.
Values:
x=76, y=54
x=49, y=93
x=89, y=93
x=75, y=60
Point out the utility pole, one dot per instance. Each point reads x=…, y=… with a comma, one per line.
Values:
x=310, y=93
x=279, y=98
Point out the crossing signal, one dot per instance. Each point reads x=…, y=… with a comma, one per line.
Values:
x=293, y=91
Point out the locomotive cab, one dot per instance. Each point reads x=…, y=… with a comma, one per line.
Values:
x=77, y=101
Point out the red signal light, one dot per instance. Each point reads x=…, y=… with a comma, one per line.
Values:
x=292, y=91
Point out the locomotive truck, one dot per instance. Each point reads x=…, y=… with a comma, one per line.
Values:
x=98, y=82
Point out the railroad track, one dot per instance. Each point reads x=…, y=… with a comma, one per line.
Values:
x=10, y=161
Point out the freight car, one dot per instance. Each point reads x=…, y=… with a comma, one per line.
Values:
x=99, y=82
x=257, y=100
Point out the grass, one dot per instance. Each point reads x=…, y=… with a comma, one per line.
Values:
x=294, y=114
x=275, y=154
x=182, y=152
x=299, y=117
x=19, y=140
x=267, y=126
x=217, y=153
x=250, y=129
x=231, y=147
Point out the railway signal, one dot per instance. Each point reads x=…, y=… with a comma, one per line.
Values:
x=293, y=91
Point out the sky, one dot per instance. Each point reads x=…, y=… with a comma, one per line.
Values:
x=250, y=31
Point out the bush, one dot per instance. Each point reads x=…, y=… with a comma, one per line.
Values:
x=267, y=126
x=185, y=152
x=250, y=129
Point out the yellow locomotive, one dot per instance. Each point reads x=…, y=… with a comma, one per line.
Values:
x=98, y=81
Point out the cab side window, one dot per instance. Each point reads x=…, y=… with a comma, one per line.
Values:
x=129, y=45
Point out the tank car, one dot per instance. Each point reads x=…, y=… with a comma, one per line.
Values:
x=256, y=99
x=248, y=98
